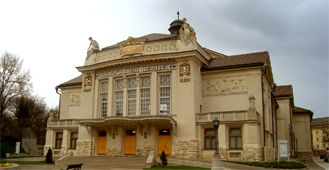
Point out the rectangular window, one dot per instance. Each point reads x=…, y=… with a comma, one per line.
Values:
x=131, y=102
x=235, y=138
x=145, y=82
x=145, y=101
x=317, y=146
x=119, y=103
x=316, y=132
x=317, y=139
x=59, y=140
x=74, y=138
x=164, y=94
x=209, y=139
x=103, y=98
x=324, y=145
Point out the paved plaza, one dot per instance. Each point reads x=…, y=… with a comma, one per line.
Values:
x=138, y=163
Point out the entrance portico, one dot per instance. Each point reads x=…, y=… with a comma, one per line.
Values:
x=133, y=135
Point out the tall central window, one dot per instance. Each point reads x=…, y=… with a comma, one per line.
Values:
x=103, y=98
x=131, y=96
x=145, y=95
x=119, y=84
x=164, y=93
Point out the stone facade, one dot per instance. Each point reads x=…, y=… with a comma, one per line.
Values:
x=186, y=149
x=113, y=151
x=252, y=153
x=144, y=151
x=84, y=148
x=306, y=156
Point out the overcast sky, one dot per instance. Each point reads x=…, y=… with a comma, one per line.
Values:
x=52, y=36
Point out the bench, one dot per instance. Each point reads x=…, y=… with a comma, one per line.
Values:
x=74, y=166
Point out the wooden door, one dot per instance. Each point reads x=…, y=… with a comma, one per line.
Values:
x=164, y=141
x=101, y=142
x=130, y=142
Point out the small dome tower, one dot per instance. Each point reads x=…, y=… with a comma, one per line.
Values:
x=175, y=26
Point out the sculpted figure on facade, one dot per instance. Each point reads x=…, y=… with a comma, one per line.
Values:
x=186, y=32
x=93, y=46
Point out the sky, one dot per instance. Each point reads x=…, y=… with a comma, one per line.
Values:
x=52, y=36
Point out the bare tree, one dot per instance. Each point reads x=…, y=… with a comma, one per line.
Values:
x=14, y=81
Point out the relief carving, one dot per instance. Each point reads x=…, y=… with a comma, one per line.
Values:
x=223, y=86
x=74, y=99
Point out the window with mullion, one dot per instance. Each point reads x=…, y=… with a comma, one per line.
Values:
x=209, y=139
x=164, y=93
x=119, y=103
x=235, y=138
x=74, y=138
x=103, y=93
x=131, y=102
x=59, y=140
x=145, y=101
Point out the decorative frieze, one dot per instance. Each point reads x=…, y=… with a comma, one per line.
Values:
x=213, y=87
x=160, y=48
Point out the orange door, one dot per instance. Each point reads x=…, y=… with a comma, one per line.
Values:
x=101, y=142
x=130, y=142
x=164, y=141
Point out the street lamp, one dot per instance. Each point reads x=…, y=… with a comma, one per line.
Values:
x=215, y=122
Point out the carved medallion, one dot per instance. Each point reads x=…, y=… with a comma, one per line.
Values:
x=184, y=69
x=87, y=82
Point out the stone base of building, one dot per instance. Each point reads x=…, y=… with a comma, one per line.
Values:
x=253, y=153
x=144, y=151
x=306, y=156
x=84, y=148
x=186, y=149
x=45, y=149
x=113, y=151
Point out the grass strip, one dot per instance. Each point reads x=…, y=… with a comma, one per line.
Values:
x=274, y=164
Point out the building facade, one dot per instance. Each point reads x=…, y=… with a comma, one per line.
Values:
x=320, y=133
x=161, y=92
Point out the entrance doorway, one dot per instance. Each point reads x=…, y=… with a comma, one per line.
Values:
x=164, y=141
x=130, y=142
x=101, y=142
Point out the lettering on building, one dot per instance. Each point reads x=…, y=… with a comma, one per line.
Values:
x=136, y=70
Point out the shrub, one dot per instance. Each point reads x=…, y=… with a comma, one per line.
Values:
x=49, y=156
x=163, y=158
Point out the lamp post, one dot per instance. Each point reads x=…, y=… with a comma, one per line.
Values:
x=216, y=160
x=215, y=122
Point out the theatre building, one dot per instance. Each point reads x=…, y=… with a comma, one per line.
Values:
x=161, y=92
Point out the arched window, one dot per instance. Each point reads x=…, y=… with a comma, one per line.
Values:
x=235, y=138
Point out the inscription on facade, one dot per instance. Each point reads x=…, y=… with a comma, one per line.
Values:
x=131, y=49
x=136, y=70
x=220, y=86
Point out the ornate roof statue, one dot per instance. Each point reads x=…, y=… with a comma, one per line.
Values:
x=92, y=47
x=186, y=32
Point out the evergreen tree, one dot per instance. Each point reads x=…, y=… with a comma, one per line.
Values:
x=49, y=156
x=163, y=158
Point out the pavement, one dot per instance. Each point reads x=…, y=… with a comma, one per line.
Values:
x=321, y=163
x=137, y=163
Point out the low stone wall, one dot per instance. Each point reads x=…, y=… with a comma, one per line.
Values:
x=113, y=151
x=306, y=156
x=144, y=151
x=84, y=148
x=186, y=149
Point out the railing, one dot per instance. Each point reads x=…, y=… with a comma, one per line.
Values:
x=227, y=116
x=63, y=123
